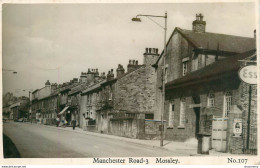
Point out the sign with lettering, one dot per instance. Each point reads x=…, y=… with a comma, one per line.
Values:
x=248, y=74
x=237, y=127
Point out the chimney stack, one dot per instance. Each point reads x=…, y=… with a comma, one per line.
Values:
x=83, y=77
x=198, y=25
x=90, y=75
x=75, y=80
x=54, y=86
x=103, y=75
x=47, y=83
x=96, y=73
x=255, y=33
x=120, y=71
x=132, y=65
x=110, y=75
x=150, y=56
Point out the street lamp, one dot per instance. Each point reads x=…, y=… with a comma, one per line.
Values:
x=137, y=19
x=14, y=72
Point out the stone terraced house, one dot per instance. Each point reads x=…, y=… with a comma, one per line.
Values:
x=202, y=87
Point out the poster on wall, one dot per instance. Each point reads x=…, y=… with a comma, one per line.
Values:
x=237, y=127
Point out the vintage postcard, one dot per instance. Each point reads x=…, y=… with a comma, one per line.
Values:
x=150, y=83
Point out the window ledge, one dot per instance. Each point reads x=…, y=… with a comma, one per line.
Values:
x=169, y=127
x=181, y=127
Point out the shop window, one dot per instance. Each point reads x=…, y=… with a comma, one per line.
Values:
x=171, y=115
x=211, y=99
x=227, y=103
x=182, y=112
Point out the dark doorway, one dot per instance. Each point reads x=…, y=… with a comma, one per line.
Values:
x=68, y=117
x=196, y=100
x=197, y=122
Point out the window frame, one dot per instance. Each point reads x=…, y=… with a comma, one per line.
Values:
x=182, y=118
x=171, y=115
x=228, y=102
x=185, y=71
x=211, y=99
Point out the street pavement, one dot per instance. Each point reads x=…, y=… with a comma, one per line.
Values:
x=40, y=141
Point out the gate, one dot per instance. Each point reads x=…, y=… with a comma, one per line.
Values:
x=250, y=135
x=219, y=133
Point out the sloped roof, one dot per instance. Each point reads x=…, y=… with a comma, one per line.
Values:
x=216, y=70
x=210, y=41
x=93, y=87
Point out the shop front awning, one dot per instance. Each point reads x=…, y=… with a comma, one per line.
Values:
x=63, y=111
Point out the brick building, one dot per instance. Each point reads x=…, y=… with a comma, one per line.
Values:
x=201, y=80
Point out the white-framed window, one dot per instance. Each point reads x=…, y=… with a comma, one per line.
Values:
x=184, y=68
x=182, y=112
x=211, y=99
x=227, y=103
x=171, y=115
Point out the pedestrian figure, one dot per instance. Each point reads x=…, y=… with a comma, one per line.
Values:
x=65, y=122
x=57, y=121
x=74, y=124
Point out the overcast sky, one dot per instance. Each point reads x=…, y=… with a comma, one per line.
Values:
x=57, y=42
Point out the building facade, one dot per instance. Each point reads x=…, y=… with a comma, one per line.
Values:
x=202, y=85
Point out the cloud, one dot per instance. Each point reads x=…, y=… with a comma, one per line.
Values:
x=58, y=41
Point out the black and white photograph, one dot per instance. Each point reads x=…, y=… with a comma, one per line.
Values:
x=129, y=80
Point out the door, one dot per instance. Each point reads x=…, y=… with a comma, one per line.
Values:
x=219, y=133
x=197, y=121
x=196, y=100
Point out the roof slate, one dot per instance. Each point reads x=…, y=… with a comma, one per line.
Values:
x=210, y=41
x=228, y=43
x=217, y=69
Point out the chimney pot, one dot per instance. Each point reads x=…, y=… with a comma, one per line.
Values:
x=198, y=25
x=146, y=50
x=136, y=62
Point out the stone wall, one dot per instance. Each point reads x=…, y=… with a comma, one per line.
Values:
x=177, y=49
x=152, y=129
x=238, y=145
x=189, y=131
x=135, y=92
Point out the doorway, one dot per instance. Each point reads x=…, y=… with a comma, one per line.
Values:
x=196, y=100
x=197, y=121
